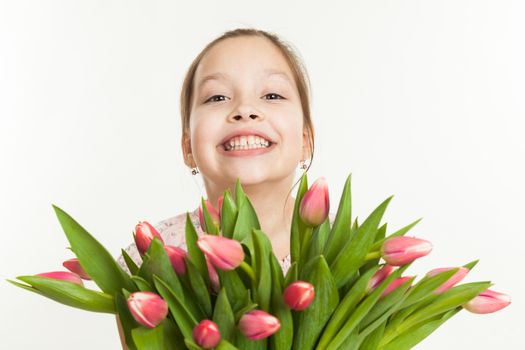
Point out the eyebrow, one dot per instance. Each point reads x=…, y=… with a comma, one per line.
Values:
x=222, y=76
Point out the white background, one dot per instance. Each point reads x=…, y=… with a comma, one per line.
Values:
x=420, y=99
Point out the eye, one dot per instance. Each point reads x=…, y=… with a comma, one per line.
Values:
x=212, y=99
x=275, y=96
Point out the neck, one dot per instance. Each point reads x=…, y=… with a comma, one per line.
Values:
x=273, y=205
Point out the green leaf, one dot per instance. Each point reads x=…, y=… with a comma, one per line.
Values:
x=235, y=288
x=224, y=345
x=228, y=215
x=149, y=338
x=377, y=245
x=311, y=321
x=345, y=308
x=211, y=228
x=352, y=255
x=68, y=293
x=385, y=306
x=93, y=257
x=380, y=234
x=426, y=286
x=183, y=317
x=412, y=337
x=319, y=237
x=126, y=320
x=157, y=262
x=172, y=335
x=292, y=275
x=471, y=264
x=263, y=272
x=363, y=308
x=343, y=220
x=371, y=341
x=298, y=226
x=191, y=344
x=194, y=253
x=240, y=196
x=199, y=288
x=133, y=268
x=450, y=299
x=283, y=338
x=246, y=222
x=223, y=315
x=142, y=284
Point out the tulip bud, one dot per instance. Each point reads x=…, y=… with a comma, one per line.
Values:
x=147, y=308
x=206, y=334
x=315, y=204
x=395, y=284
x=379, y=277
x=214, y=277
x=74, y=266
x=452, y=281
x=299, y=295
x=403, y=250
x=64, y=276
x=214, y=214
x=144, y=234
x=177, y=257
x=258, y=324
x=487, y=302
x=224, y=253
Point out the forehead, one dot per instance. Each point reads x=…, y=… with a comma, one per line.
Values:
x=241, y=57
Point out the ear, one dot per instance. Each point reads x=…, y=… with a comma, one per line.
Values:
x=307, y=151
x=186, y=150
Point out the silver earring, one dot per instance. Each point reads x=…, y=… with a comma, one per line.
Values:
x=303, y=164
x=194, y=171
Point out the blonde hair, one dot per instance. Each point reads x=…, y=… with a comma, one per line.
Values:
x=298, y=69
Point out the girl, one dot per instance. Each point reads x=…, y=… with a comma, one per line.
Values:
x=245, y=114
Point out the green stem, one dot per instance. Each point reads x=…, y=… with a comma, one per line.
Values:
x=373, y=255
x=248, y=269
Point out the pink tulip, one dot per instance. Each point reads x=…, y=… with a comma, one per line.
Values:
x=395, y=284
x=74, y=266
x=147, y=308
x=206, y=334
x=258, y=324
x=214, y=214
x=224, y=253
x=214, y=277
x=452, y=281
x=299, y=295
x=315, y=204
x=144, y=234
x=379, y=277
x=487, y=302
x=403, y=250
x=177, y=257
x=63, y=276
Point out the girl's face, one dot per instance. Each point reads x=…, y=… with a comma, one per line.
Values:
x=243, y=86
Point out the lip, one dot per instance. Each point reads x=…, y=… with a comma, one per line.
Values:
x=246, y=132
x=246, y=152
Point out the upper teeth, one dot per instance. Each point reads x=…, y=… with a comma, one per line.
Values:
x=246, y=142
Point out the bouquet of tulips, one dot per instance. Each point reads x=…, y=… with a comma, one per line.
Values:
x=345, y=288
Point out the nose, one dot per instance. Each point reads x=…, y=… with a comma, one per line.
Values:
x=245, y=112
x=238, y=117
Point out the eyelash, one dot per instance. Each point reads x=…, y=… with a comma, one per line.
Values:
x=272, y=93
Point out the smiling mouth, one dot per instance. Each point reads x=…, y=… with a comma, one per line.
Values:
x=244, y=143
